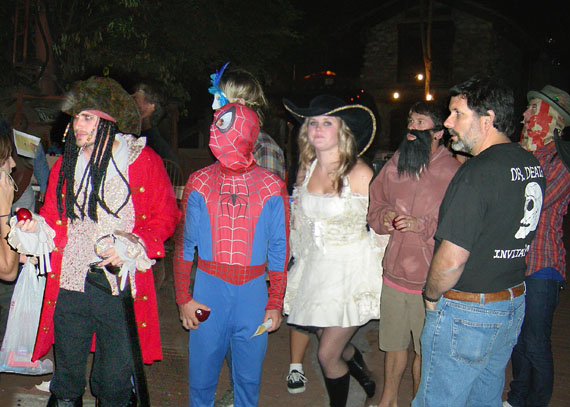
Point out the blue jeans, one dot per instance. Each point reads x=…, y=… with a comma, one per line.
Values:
x=533, y=368
x=465, y=349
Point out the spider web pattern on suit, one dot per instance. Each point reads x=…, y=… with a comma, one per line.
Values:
x=234, y=205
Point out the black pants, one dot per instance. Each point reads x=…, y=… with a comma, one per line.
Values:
x=77, y=317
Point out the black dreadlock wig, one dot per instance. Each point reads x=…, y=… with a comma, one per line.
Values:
x=93, y=177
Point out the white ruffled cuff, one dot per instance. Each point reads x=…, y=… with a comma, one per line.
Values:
x=39, y=243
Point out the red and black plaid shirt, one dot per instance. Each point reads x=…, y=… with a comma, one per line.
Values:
x=547, y=248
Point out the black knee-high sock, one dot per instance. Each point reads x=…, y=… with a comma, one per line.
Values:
x=338, y=390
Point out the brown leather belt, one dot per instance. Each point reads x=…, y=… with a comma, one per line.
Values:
x=485, y=297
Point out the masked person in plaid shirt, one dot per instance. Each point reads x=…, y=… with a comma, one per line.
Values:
x=237, y=216
x=547, y=114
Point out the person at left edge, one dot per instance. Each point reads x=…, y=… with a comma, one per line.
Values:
x=107, y=182
x=237, y=216
x=9, y=264
x=8, y=257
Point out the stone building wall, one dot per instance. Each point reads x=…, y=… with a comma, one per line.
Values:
x=478, y=47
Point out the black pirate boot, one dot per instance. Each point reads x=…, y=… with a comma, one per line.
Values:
x=133, y=402
x=55, y=402
x=361, y=373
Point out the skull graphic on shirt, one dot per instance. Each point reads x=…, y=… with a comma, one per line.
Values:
x=532, y=207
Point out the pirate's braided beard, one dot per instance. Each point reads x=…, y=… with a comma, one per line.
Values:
x=93, y=177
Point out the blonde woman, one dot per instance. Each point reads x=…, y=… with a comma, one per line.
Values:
x=335, y=282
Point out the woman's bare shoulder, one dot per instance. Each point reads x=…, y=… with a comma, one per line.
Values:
x=359, y=177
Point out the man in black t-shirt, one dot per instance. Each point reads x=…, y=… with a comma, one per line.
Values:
x=474, y=293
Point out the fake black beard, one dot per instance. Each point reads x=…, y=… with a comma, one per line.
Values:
x=414, y=154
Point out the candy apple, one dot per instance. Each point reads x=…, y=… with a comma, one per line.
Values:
x=23, y=214
x=202, y=314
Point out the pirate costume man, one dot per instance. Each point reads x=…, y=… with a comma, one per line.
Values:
x=108, y=187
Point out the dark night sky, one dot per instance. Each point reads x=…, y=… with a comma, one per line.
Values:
x=343, y=23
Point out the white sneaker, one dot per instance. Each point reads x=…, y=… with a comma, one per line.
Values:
x=506, y=404
x=296, y=382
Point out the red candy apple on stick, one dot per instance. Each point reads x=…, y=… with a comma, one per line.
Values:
x=23, y=214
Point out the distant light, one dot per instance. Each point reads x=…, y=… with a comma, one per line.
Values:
x=352, y=99
x=325, y=74
x=429, y=96
x=361, y=90
x=396, y=95
x=420, y=77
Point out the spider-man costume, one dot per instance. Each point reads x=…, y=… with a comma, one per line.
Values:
x=237, y=216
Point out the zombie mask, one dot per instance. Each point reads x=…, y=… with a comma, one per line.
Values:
x=538, y=125
x=548, y=110
x=232, y=135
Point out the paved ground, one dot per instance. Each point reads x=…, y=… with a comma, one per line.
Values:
x=167, y=379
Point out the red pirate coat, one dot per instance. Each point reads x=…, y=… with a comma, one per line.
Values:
x=156, y=216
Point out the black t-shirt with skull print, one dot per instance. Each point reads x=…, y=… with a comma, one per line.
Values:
x=491, y=208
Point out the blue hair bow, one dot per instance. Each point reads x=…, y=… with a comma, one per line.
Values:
x=215, y=81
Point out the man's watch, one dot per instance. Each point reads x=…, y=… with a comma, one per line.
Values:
x=426, y=298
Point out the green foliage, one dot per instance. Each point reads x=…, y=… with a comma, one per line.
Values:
x=175, y=42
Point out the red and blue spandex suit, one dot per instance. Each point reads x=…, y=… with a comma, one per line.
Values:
x=237, y=216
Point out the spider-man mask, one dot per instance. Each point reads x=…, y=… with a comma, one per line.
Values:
x=232, y=135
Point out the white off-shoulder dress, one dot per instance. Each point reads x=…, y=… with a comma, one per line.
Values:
x=336, y=277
